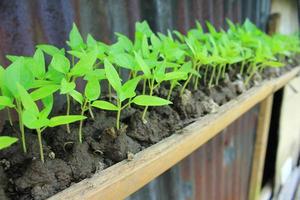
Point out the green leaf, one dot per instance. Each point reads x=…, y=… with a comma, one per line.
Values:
x=112, y=76
x=6, y=102
x=104, y=105
x=85, y=64
x=60, y=63
x=77, y=96
x=90, y=41
x=143, y=66
x=48, y=105
x=66, y=119
x=43, y=92
x=31, y=121
x=75, y=39
x=175, y=76
x=27, y=101
x=66, y=87
x=6, y=141
x=17, y=73
x=147, y=100
x=128, y=89
x=98, y=74
x=145, y=47
x=92, y=90
x=39, y=64
x=124, y=60
x=50, y=49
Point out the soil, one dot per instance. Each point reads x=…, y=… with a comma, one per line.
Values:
x=24, y=176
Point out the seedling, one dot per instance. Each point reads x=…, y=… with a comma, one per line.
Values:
x=125, y=92
x=38, y=120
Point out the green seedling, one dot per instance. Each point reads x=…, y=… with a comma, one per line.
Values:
x=6, y=141
x=39, y=120
x=17, y=73
x=125, y=92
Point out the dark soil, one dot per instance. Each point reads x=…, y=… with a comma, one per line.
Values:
x=67, y=162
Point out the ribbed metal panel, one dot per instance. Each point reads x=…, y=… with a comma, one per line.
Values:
x=219, y=170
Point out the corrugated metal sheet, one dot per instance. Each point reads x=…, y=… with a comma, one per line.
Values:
x=219, y=170
x=24, y=24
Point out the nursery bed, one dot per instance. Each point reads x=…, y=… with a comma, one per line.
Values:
x=126, y=177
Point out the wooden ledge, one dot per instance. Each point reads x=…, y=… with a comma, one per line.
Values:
x=126, y=177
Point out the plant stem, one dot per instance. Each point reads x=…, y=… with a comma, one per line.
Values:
x=119, y=114
x=223, y=70
x=146, y=108
x=83, y=108
x=91, y=111
x=205, y=74
x=39, y=134
x=185, y=84
x=21, y=125
x=197, y=78
x=171, y=89
x=253, y=69
x=218, y=74
x=212, y=77
x=9, y=116
x=68, y=112
x=242, y=68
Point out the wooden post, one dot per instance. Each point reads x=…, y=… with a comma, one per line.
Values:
x=260, y=148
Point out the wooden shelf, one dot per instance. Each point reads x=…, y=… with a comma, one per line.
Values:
x=126, y=177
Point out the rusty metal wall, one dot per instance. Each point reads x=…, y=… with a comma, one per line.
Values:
x=25, y=23
x=219, y=170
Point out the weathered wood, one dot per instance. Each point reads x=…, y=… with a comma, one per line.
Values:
x=260, y=148
x=126, y=177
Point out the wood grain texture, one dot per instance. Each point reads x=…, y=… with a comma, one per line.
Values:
x=126, y=177
x=260, y=148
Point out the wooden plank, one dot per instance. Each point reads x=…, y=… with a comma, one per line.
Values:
x=126, y=177
x=260, y=147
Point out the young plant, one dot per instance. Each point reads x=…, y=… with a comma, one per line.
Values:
x=39, y=120
x=17, y=73
x=125, y=92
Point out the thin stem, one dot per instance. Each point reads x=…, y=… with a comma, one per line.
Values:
x=223, y=70
x=21, y=125
x=91, y=111
x=205, y=74
x=218, y=74
x=68, y=112
x=212, y=77
x=185, y=84
x=171, y=89
x=197, y=78
x=146, y=108
x=39, y=134
x=119, y=114
x=9, y=116
x=83, y=109
x=242, y=68
x=253, y=69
